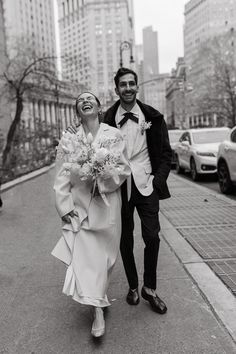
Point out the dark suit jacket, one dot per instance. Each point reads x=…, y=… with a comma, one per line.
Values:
x=157, y=142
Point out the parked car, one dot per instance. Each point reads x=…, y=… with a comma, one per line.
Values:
x=197, y=150
x=174, y=136
x=226, y=163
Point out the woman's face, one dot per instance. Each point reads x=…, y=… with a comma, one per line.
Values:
x=87, y=105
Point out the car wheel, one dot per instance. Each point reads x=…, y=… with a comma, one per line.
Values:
x=224, y=180
x=193, y=170
x=178, y=168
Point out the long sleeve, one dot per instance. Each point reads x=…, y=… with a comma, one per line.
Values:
x=62, y=188
x=163, y=170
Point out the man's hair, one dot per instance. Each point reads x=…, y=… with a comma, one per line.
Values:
x=123, y=71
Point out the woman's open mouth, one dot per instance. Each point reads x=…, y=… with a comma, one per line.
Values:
x=86, y=107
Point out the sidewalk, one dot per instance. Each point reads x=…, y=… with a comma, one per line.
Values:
x=35, y=317
x=200, y=227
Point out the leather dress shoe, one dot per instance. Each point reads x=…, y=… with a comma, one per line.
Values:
x=133, y=297
x=156, y=303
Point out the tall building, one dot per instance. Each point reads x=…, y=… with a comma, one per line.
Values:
x=150, y=53
x=47, y=111
x=91, y=36
x=177, y=104
x=32, y=21
x=205, y=19
x=155, y=92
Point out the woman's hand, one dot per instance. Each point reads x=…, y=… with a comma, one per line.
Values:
x=66, y=218
x=71, y=129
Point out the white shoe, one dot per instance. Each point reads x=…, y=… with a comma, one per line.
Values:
x=98, y=327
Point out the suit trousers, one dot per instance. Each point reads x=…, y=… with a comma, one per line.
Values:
x=148, y=209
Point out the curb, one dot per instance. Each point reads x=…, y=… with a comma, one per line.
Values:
x=218, y=296
x=26, y=177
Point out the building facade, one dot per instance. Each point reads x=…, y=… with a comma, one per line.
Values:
x=204, y=21
x=155, y=92
x=177, y=97
x=91, y=35
x=150, y=53
x=47, y=108
x=31, y=21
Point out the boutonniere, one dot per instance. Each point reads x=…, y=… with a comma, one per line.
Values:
x=144, y=126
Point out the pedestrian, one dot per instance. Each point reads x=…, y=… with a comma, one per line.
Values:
x=90, y=208
x=149, y=154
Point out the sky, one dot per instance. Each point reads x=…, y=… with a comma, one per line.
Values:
x=167, y=18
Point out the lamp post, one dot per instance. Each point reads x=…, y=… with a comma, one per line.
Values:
x=58, y=120
x=125, y=45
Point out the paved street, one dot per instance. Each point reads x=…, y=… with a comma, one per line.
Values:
x=35, y=317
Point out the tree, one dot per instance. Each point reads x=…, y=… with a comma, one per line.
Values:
x=215, y=87
x=24, y=71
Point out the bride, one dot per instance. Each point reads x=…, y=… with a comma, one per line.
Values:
x=91, y=224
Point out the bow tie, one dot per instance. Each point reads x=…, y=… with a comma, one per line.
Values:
x=128, y=115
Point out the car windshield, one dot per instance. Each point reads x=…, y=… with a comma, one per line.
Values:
x=214, y=136
x=174, y=136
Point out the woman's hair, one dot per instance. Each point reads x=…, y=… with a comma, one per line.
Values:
x=122, y=72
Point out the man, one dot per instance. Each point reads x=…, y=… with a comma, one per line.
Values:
x=149, y=153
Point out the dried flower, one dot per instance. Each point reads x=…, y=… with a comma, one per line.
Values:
x=144, y=126
x=89, y=160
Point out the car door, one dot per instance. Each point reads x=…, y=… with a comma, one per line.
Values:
x=183, y=150
x=188, y=150
x=230, y=152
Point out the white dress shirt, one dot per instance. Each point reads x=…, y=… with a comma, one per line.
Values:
x=137, y=150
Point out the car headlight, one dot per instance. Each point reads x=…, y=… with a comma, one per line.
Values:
x=201, y=153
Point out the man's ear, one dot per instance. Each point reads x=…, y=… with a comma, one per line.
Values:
x=116, y=91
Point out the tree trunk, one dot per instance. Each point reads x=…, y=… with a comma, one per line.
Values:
x=12, y=130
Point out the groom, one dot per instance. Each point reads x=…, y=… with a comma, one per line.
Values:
x=149, y=153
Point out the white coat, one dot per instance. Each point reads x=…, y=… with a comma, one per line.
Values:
x=90, y=243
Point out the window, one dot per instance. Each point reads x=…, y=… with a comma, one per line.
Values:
x=233, y=136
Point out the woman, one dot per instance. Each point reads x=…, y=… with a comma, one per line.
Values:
x=91, y=223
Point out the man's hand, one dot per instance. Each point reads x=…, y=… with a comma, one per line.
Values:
x=66, y=218
x=71, y=129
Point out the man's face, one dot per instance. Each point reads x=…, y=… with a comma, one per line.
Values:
x=127, y=89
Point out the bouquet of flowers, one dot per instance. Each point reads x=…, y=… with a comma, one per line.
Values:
x=88, y=160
